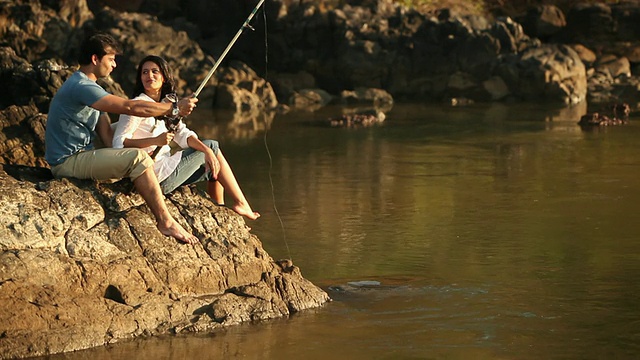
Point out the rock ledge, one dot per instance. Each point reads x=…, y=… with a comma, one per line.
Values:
x=83, y=265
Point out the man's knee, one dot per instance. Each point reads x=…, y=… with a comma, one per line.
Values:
x=140, y=161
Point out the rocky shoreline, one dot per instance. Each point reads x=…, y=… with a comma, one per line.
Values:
x=83, y=265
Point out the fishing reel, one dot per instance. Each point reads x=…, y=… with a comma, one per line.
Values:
x=171, y=121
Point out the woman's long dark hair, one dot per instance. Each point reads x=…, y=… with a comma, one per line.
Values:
x=169, y=85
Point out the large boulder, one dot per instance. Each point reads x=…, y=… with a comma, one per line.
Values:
x=22, y=136
x=548, y=73
x=141, y=35
x=543, y=21
x=82, y=265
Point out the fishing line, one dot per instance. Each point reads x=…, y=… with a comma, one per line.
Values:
x=244, y=26
x=266, y=145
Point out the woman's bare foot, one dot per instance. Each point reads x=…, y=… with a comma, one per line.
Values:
x=245, y=210
x=176, y=231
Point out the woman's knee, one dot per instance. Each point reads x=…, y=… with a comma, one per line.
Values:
x=167, y=187
x=212, y=144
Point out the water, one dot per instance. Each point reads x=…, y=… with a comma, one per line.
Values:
x=485, y=232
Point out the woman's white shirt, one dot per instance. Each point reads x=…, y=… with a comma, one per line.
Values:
x=135, y=127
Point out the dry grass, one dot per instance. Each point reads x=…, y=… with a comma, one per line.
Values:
x=492, y=7
x=478, y=7
x=459, y=6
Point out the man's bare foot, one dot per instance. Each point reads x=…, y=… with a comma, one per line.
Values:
x=176, y=231
x=245, y=210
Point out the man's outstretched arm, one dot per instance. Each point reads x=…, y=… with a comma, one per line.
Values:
x=117, y=105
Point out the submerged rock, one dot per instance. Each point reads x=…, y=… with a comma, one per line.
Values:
x=617, y=114
x=358, y=119
x=82, y=265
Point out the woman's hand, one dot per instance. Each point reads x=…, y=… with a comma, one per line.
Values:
x=164, y=138
x=211, y=163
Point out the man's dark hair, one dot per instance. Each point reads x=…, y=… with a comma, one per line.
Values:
x=97, y=44
x=169, y=85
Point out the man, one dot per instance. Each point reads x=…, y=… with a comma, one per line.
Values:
x=80, y=107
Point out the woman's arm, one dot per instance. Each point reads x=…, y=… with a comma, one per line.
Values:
x=183, y=133
x=125, y=128
x=160, y=140
x=134, y=131
x=210, y=160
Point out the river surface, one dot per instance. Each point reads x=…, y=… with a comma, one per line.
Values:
x=480, y=232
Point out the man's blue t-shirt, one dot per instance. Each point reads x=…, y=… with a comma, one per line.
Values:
x=71, y=120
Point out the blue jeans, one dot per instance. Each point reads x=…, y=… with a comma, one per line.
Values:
x=190, y=169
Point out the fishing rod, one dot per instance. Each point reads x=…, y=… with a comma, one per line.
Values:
x=172, y=122
x=224, y=53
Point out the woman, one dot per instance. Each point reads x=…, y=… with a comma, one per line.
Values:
x=197, y=161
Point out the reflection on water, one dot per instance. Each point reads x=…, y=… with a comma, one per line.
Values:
x=233, y=125
x=494, y=232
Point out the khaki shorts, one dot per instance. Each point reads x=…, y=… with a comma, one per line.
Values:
x=104, y=164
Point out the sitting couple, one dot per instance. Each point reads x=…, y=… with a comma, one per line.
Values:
x=198, y=161
x=79, y=110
